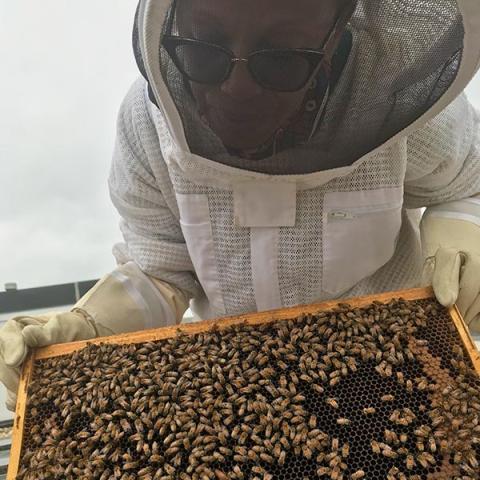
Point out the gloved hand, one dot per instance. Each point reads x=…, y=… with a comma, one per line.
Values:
x=451, y=245
x=20, y=333
x=125, y=301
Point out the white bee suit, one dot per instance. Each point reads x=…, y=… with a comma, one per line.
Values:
x=241, y=235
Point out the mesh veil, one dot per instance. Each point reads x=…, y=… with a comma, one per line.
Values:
x=405, y=55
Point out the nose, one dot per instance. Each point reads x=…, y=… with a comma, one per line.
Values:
x=240, y=84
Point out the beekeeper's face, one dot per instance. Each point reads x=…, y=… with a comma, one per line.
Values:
x=245, y=104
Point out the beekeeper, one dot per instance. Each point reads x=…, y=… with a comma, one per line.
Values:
x=276, y=153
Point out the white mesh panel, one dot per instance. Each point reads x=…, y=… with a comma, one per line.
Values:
x=300, y=252
x=232, y=246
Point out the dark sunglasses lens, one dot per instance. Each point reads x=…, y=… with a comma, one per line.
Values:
x=201, y=63
x=282, y=71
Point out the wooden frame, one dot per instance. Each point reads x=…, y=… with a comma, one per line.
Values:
x=189, y=329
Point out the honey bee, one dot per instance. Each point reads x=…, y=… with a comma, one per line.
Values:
x=332, y=402
x=423, y=384
x=389, y=453
x=357, y=475
x=322, y=471
x=318, y=389
x=422, y=431
x=335, y=381
x=375, y=446
x=410, y=462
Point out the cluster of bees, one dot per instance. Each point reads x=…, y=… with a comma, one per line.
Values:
x=352, y=393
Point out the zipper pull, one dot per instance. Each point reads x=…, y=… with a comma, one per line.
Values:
x=339, y=215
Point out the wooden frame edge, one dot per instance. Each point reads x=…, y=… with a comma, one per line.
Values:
x=466, y=337
x=19, y=420
x=252, y=319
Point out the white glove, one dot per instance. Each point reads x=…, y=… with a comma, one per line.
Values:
x=126, y=300
x=451, y=245
x=19, y=333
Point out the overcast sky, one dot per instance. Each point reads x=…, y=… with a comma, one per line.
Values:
x=65, y=68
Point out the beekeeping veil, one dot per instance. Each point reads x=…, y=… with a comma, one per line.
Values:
x=398, y=63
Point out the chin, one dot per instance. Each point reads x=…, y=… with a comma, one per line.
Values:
x=238, y=139
x=244, y=144
x=241, y=133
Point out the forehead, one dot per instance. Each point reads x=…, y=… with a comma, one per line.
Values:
x=318, y=14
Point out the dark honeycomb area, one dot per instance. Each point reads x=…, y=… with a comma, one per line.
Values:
x=386, y=391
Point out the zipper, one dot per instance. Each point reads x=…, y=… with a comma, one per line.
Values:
x=359, y=212
x=340, y=215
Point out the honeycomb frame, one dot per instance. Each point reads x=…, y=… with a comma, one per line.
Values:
x=206, y=326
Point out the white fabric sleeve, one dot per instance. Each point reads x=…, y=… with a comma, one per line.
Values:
x=126, y=300
x=153, y=306
x=467, y=210
x=443, y=161
x=141, y=190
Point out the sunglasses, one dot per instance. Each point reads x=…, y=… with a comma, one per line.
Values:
x=283, y=70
